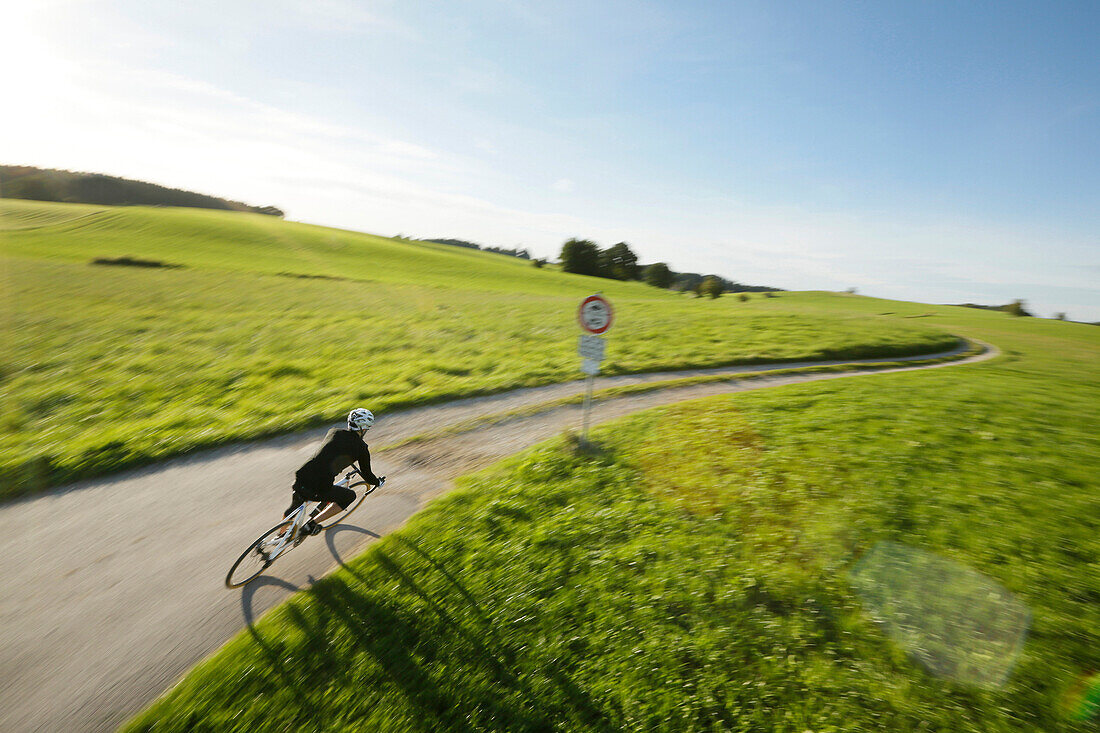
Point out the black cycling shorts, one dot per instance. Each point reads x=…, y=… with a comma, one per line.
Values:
x=322, y=490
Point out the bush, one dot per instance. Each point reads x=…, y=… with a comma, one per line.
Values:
x=743, y=297
x=658, y=275
x=711, y=286
x=127, y=261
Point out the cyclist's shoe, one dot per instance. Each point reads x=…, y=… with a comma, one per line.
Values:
x=311, y=528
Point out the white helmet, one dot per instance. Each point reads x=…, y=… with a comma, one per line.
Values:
x=360, y=419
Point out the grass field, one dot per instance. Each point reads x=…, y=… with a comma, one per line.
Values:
x=269, y=326
x=702, y=571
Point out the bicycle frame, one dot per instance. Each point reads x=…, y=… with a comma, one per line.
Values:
x=299, y=517
x=290, y=538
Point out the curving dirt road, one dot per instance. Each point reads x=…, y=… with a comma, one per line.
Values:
x=113, y=588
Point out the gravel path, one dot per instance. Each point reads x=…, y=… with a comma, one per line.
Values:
x=114, y=587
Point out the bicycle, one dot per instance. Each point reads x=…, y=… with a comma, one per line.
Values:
x=289, y=533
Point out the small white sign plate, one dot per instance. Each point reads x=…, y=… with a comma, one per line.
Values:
x=591, y=347
x=590, y=367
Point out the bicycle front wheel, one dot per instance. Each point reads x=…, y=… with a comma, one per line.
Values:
x=359, y=496
x=258, y=557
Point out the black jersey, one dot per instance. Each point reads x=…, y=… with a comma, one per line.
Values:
x=341, y=448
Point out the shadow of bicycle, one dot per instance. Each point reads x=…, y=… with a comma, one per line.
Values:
x=248, y=594
x=332, y=535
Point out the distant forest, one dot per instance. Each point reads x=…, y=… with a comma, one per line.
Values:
x=521, y=253
x=691, y=281
x=619, y=263
x=45, y=184
x=1016, y=308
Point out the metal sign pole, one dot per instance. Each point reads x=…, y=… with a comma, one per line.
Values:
x=587, y=407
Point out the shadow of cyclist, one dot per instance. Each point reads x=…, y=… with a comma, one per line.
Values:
x=414, y=662
x=272, y=649
x=397, y=643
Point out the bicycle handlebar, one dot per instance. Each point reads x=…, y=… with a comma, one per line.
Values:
x=354, y=472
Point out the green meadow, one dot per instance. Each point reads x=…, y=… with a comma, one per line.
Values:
x=703, y=568
x=263, y=326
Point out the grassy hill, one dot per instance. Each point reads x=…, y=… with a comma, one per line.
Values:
x=263, y=326
x=707, y=568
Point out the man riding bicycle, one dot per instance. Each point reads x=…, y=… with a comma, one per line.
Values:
x=314, y=480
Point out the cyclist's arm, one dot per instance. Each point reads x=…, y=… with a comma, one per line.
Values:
x=364, y=466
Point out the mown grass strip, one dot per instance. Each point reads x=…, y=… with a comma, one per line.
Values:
x=609, y=393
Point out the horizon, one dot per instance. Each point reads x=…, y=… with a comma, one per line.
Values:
x=930, y=154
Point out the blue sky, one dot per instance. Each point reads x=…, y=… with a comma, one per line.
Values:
x=932, y=151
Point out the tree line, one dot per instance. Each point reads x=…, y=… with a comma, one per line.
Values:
x=47, y=184
x=619, y=262
x=523, y=254
x=1016, y=308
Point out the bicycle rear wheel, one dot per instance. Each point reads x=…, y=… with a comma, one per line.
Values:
x=359, y=496
x=258, y=557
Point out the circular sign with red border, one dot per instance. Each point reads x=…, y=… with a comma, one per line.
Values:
x=595, y=314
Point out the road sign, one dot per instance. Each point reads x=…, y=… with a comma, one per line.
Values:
x=595, y=314
x=591, y=347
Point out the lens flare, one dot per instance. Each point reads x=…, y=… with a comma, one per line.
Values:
x=954, y=621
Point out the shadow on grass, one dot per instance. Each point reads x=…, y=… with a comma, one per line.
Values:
x=584, y=448
x=310, y=704
x=456, y=675
x=248, y=594
x=579, y=708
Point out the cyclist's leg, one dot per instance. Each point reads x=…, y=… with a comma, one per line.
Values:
x=296, y=500
x=338, y=497
x=300, y=494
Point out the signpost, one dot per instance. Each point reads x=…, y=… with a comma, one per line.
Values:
x=595, y=316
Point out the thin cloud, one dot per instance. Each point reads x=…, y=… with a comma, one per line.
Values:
x=336, y=16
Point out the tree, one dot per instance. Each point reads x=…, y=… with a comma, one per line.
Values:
x=1016, y=308
x=580, y=256
x=687, y=281
x=743, y=297
x=658, y=275
x=1059, y=316
x=619, y=262
x=711, y=286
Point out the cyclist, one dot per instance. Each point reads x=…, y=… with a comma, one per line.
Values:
x=314, y=480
